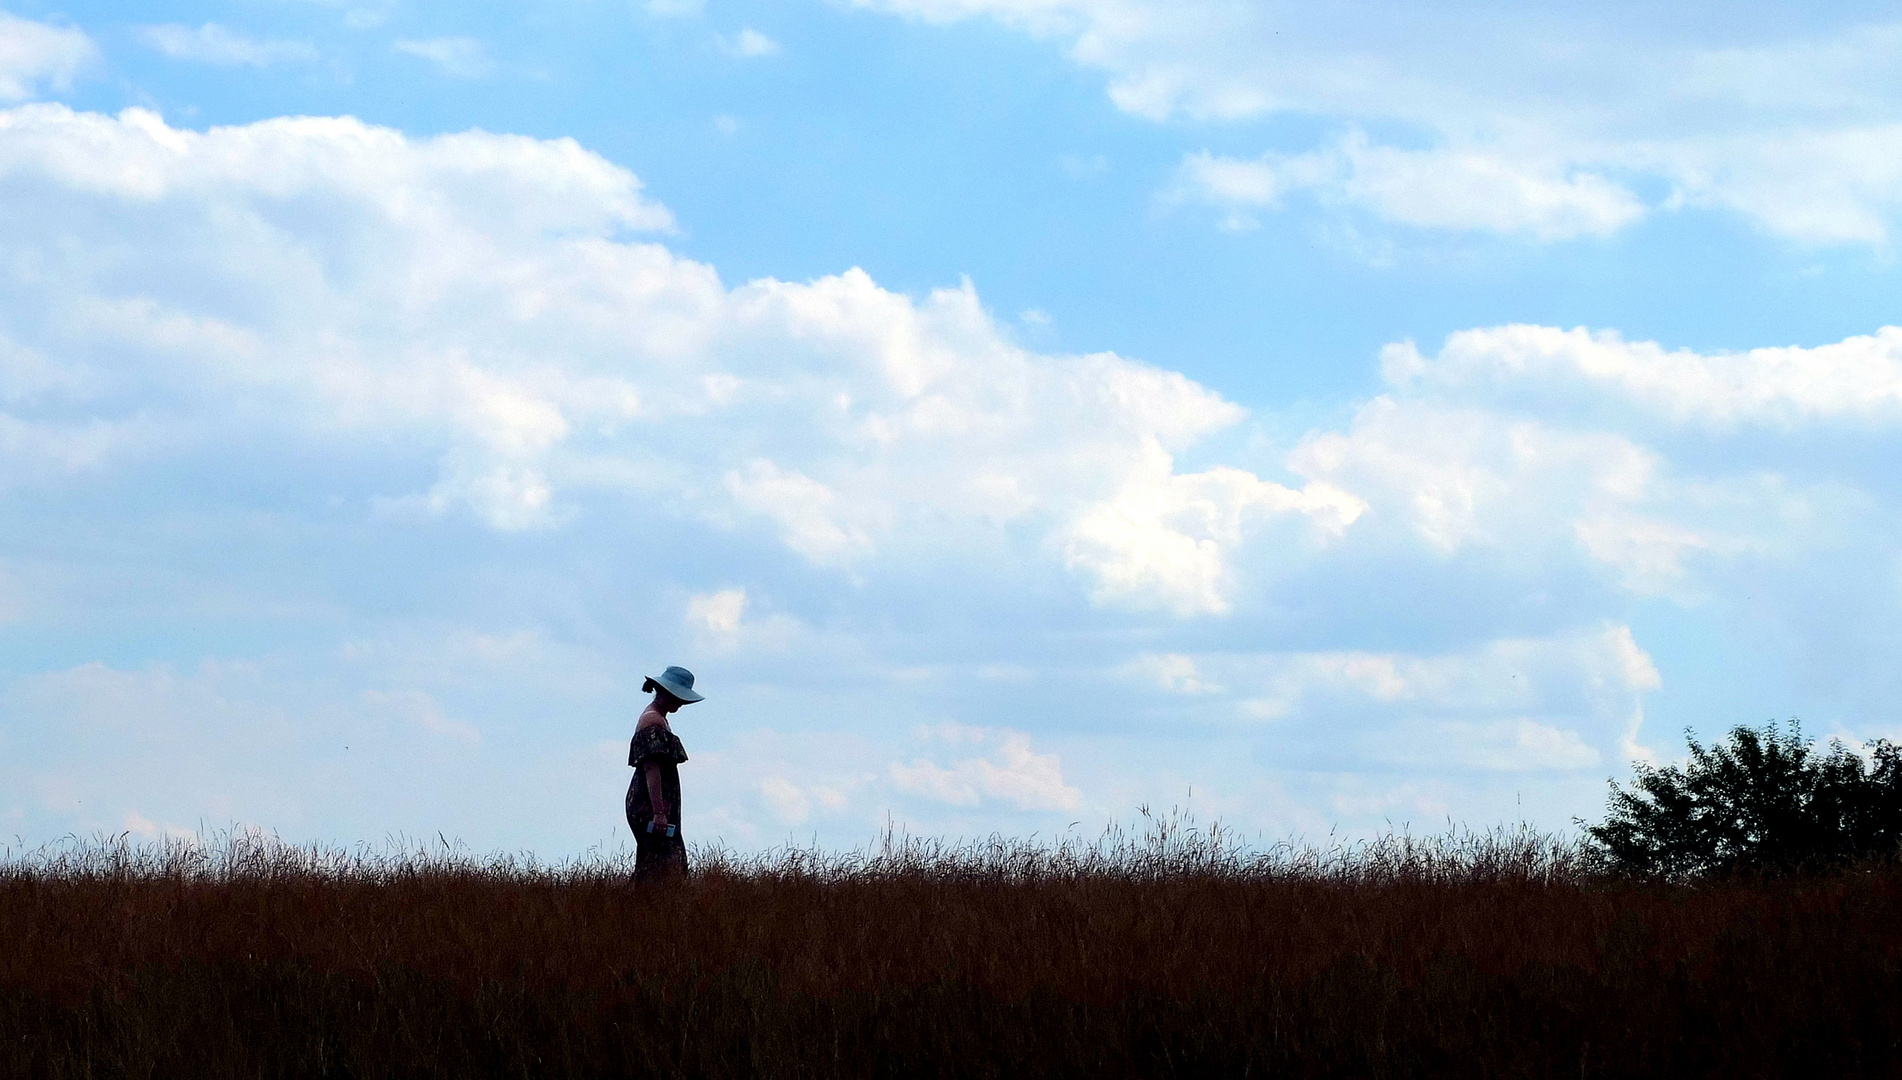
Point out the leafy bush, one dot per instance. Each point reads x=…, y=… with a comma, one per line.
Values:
x=1764, y=800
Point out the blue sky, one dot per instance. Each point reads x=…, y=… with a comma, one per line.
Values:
x=1016, y=411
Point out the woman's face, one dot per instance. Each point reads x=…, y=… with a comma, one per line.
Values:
x=665, y=701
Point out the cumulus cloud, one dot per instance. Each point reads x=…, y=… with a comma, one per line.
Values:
x=806, y=511
x=1458, y=482
x=1163, y=539
x=146, y=829
x=1567, y=702
x=1536, y=125
x=215, y=44
x=1578, y=471
x=474, y=290
x=871, y=509
x=793, y=804
x=726, y=621
x=1011, y=773
x=718, y=613
x=1173, y=672
x=1857, y=380
x=1434, y=189
x=36, y=54
x=347, y=380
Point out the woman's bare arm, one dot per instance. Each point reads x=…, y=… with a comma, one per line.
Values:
x=655, y=796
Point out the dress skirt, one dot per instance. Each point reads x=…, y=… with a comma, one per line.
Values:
x=657, y=856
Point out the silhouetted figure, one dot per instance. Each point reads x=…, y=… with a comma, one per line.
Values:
x=653, y=798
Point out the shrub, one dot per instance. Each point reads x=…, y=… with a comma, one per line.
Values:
x=1762, y=801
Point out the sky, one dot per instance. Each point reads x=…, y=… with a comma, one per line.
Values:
x=1328, y=418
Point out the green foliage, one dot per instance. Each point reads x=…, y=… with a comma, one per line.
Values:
x=1764, y=800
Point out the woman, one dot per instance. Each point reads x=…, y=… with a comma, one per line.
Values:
x=653, y=798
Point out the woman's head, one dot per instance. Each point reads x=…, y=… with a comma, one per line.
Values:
x=671, y=689
x=663, y=700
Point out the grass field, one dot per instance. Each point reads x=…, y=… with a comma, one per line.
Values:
x=1171, y=952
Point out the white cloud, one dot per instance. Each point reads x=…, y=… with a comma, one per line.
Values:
x=1013, y=774
x=544, y=359
x=1857, y=380
x=1165, y=539
x=215, y=44
x=35, y=54
x=1440, y=189
x=749, y=44
x=1583, y=470
x=1569, y=702
x=416, y=202
x=487, y=306
x=457, y=57
x=793, y=804
x=1458, y=476
x=1170, y=672
x=788, y=802
x=148, y=830
x=1532, y=492
x=718, y=613
x=806, y=511
x=871, y=509
x=725, y=621
x=1536, y=123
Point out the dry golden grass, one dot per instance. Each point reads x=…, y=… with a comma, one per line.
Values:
x=1171, y=953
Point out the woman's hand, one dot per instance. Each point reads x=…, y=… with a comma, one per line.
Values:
x=660, y=821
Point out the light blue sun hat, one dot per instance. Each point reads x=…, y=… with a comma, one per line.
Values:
x=677, y=681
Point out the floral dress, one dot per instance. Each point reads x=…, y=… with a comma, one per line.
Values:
x=656, y=854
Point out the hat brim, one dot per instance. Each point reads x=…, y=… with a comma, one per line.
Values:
x=685, y=694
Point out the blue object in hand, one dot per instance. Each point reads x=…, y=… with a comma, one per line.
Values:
x=670, y=828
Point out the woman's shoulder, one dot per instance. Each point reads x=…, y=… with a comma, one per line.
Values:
x=656, y=740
